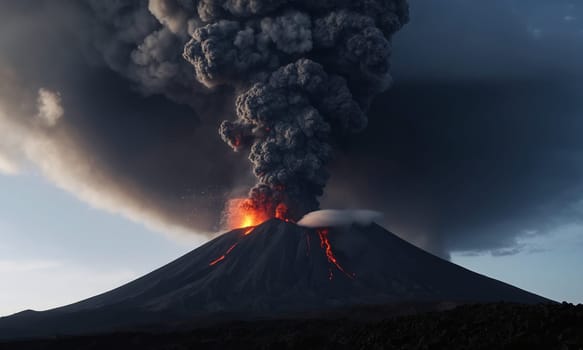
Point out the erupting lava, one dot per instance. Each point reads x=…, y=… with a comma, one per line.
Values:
x=281, y=213
x=242, y=213
x=325, y=244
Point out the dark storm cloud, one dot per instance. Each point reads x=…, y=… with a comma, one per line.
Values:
x=477, y=142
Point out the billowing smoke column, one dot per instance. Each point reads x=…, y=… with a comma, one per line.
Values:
x=305, y=72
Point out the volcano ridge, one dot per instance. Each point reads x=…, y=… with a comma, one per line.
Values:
x=277, y=269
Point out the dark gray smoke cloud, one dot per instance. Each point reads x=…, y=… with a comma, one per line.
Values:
x=307, y=72
x=477, y=141
x=143, y=40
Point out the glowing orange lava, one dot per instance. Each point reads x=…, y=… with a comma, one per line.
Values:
x=281, y=213
x=242, y=213
x=222, y=257
x=325, y=244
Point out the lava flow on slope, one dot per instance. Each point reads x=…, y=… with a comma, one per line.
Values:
x=222, y=257
x=325, y=244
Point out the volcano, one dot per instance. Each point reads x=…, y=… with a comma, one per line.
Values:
x=273, y=269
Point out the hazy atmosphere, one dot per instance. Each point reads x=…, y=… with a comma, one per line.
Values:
x=111, y=162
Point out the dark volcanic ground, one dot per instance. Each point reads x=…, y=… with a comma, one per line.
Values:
x=479, y=326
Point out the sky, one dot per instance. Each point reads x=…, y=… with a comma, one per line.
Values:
x=111, y=165
x=56, y=250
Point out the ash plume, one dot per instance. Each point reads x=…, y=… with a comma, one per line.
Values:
x=305, y=73
x=450, y=169
x=142, y=40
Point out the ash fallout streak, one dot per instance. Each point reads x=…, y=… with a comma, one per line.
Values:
x=305, y=73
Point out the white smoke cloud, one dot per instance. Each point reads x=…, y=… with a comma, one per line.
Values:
x=8, y=166
x=11, y=138
x=334, y=218
x=50, y=110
